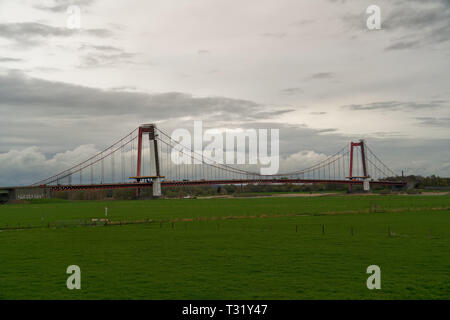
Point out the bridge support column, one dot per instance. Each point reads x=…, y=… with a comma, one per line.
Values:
x=366, y=184
x=156, y=187
x=155, y=174
x=365, y=176
x=154, y=163
x=138, y=193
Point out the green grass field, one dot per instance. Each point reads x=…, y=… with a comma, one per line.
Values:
x=256, y=248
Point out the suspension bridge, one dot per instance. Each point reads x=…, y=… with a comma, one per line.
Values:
x=136, y=162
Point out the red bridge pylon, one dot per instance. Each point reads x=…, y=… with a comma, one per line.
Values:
x=365, y=177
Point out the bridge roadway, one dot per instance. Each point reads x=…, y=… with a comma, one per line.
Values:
x=169, y=183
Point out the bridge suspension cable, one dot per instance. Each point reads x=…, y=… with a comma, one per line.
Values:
x=117, y=163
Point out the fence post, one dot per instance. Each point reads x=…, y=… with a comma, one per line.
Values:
x=323, y=229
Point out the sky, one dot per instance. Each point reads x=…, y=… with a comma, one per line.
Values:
x=310, y=68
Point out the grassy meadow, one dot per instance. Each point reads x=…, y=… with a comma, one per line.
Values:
x=243, y=248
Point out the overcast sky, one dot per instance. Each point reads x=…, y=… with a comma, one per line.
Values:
x=308, y=67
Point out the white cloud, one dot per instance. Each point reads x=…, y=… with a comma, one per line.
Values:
x=25, y=166
x=301, y=160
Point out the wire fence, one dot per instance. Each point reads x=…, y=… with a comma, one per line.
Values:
x=248, y=224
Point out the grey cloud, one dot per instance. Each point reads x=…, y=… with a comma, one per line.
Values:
x=421, y=24
x=61, y=5
x=302, y=22
x=410, y=24
x=322, y=75
x=276, y=35
x=9, y=59
x=32, y=33
x=388, y=105
x=403, y=45
x=98, y=32
x=273, y=113
x=124, y=88
x=87, y=46
x=40, y=113
x=397, y=105
x=417, y=14
x=25, y=30
x=318, y=113
x=291, y=91
x=327, y=130
x=103, y=55
x=94, y=59
x=384, y=134
x=434, y=122
x=46, y=69
x=60, y=99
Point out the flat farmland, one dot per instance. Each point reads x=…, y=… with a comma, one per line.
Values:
x=246, y=248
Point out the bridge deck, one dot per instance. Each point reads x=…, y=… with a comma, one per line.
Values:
x=215, y=182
